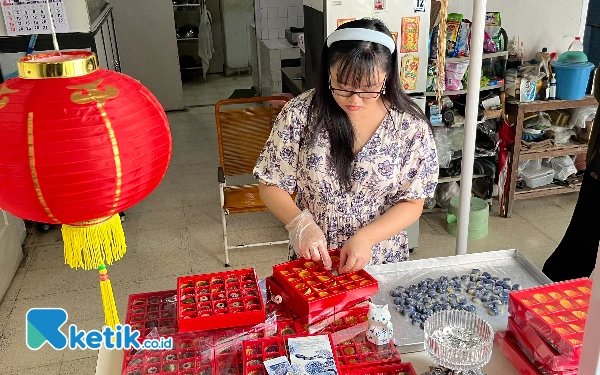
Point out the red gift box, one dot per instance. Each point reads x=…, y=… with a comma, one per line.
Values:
x=219, y=300
x=192, y=354
x=538, y=350
x=558, y=312
x=507, y=344
x=147, y=311
x=313, y=292
x=357, y=353
x=256, y=352
x=397, y=369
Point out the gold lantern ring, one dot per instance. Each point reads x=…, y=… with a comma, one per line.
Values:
x=57, y=65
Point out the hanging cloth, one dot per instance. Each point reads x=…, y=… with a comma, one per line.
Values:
x=205, y=40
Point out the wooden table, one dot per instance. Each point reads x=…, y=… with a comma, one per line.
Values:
x=517, y=113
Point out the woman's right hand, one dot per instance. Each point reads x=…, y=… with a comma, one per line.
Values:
x=308, y=239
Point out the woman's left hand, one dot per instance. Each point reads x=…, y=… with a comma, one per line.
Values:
x=356, y=254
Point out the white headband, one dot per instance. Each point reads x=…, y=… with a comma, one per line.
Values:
x=366, y=35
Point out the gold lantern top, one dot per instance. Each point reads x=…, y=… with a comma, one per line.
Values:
x=57, y=65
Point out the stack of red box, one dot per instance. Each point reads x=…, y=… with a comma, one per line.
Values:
x=149, y=311
x=545, y=329
x=354, y=352
x=219, y=300
x=314, y=293
x=212, y=316
x=191, y=355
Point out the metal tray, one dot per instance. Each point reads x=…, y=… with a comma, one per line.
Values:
x=503, y=263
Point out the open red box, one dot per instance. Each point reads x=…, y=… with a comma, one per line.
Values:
x=357, y=353
x=538, y=350
x=219, y=300
x=557, y=311
x=147, y=311
x=256, y=352
x=396, y=369
x=315, y=293
x=505, y=341
x=192, y=354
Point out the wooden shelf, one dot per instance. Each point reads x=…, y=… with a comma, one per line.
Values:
x=563, y=150
x=186, y=39
x=519, y=112
x=485, y=56
x=186, y=5
x=461, y=92
x=542, y=191
x=539, y=105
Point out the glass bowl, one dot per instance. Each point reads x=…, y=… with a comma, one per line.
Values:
x=451, y=357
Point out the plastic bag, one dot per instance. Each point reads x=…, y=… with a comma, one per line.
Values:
x=454, y=74
x=452, y=29
x=563, y=167
x=457, y=138
x=433, y=43
x=432, y=78
x=494, y=43
x=562, y=135
x=531, y=165
x=541, y=122
x=580, y=116
x=445, y=192
x=488, y=43
x=464, y=37
x=442, y=144
x=429, y=203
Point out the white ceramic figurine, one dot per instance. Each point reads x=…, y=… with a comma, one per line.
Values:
x=379, y=329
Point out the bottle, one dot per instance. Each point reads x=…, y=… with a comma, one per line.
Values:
x=522, y=53
x=576, y=45
x=552, y=87
x=543, y=56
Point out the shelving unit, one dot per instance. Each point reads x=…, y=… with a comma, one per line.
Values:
x=490, y=55
x=188, y=14
x=461, y=92
x=501, y=54
x=517, y=113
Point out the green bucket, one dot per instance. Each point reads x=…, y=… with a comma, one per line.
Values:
x=478, y=218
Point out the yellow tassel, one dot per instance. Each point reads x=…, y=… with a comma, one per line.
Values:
x=111, y=317
x=92, y=244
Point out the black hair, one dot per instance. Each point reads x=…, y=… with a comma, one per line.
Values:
x=357, y=60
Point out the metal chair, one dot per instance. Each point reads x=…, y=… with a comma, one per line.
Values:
x=243, y=127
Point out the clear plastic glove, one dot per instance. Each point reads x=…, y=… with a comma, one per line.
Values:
x=308, y=239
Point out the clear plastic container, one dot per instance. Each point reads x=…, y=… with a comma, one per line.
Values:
x=576, y=45
x=454, y=358
x=538, y=177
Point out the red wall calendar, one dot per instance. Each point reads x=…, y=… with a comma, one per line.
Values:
x=27, y=17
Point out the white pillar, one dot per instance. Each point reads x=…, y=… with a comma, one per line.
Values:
x=466, y=181
x=590, y=355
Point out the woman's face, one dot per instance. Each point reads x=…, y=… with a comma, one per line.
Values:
x=354, y=104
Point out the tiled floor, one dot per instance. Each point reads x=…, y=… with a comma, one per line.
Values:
x=177, y=231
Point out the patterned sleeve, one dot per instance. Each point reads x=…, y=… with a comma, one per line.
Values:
x=420, y=168
x=278, y=161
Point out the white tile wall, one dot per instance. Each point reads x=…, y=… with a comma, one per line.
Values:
x=271, y=52
x=278, y=15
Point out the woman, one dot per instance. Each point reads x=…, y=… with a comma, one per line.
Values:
x=358, y=152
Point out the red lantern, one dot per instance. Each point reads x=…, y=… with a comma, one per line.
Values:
x=78, y=145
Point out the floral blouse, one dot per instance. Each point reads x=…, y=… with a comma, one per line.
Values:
x=398, y=163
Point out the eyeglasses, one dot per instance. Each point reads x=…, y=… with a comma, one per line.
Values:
x=361, y=94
